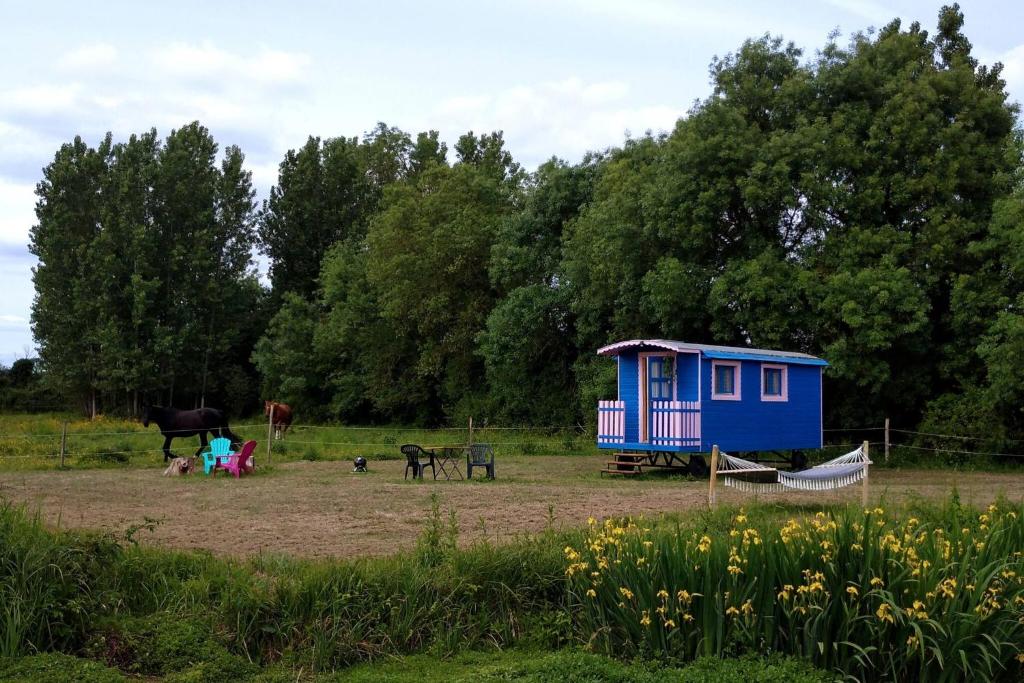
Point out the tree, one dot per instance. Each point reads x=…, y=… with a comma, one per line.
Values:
x=428, y=254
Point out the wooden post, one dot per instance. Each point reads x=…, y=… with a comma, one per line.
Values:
x=470, y=431
x=63, y=444
x=714, y=477
x=270, y=432
x=864, y=490
x=886, y=440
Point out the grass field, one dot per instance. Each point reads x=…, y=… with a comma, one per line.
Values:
x=307, y=568
x=315, y=509
x=33, y=442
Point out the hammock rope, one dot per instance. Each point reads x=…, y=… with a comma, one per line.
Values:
x=757, y=478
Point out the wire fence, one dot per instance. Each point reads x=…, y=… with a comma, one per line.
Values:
x=78, y=442
x=310, y=441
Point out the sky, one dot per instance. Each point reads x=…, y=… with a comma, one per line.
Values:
x=559, y=77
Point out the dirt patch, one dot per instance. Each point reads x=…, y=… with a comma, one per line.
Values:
x=317, y=509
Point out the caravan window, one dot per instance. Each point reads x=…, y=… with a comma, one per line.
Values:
x=774, y=382
x=725, y=380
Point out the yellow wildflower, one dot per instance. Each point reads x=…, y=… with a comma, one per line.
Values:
x=663, y=594
x=884, y=613
x=912, y=642
x=669, y=623
x=748, y=607
x=877, y=582
x=852, y=591
x=684, y=597
x=731, y=612
x=734, y=570
x=687, y=617
x=705, y=544
x=626, y=593
x=645, y=619
x=591, y=593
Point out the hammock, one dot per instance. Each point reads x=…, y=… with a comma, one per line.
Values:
x=756, y=478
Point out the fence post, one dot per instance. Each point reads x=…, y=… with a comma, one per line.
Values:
x=864, y=490
x=270, y=431
x=714, y=477
x=63, y=443
x=470, y=430
x=886, y=440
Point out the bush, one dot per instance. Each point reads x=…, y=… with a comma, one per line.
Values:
x=53, y=667
x=857, y=591
x=156, y=644
x=48, y=590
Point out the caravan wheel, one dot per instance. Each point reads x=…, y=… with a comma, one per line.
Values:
x=698, y=466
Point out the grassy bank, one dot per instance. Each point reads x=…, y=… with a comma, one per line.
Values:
x=924, y=591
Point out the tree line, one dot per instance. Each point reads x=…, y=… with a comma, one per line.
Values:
x=864, y=203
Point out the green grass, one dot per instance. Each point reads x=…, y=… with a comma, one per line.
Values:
x=188, y=616
x=32, y=442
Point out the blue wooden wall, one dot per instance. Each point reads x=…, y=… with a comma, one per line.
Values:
x=629, y=391
x=755, y=425
x=686, y=376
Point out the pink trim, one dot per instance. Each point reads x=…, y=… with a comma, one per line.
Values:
x=675, y=423
x=611, y=422
x=737, y=381
x=785, y=382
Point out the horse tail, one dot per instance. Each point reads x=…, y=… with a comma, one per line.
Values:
x=225, y=431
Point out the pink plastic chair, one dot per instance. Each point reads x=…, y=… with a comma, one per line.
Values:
x=238, y=462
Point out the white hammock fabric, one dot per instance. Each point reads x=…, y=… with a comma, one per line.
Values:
x=828, y=476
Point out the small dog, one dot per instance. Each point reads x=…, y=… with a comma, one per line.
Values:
x=180, y=466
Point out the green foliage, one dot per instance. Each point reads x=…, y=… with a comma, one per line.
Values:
x=162, y=643
x=54, y=667
x=124, y=229
x=862, y=202
x=859, y=592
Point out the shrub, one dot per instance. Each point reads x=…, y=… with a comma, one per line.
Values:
x=156, y=644
x=857, y=591
x=48, y=589
x=53, y=667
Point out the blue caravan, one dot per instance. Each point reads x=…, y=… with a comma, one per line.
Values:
x=678, y=399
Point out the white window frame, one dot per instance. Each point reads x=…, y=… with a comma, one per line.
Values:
x=737, y=380
x=784, y=396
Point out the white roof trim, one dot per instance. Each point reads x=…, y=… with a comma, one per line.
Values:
x=686, y=347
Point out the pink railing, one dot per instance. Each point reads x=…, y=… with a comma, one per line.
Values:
x=611, y=422
x=675, y=423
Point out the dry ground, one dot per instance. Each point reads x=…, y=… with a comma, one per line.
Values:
x=316, y=509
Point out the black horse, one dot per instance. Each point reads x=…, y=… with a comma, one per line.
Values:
x=174, y=423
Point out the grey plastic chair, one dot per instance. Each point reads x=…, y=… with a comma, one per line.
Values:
x=414, y=460
x=480, y=455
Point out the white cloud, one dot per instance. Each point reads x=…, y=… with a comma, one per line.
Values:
x=1013, y=72
x=206, y=62
x=568, y=117
x=865, y=9
x=91, y=56
x=45, y=98
x=17, y=212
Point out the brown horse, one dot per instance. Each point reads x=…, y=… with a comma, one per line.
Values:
x=282, y=416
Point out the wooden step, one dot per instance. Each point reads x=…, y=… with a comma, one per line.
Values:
x=608, y=471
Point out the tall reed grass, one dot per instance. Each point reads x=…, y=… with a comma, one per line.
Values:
x=865, y=593
x=61, y=591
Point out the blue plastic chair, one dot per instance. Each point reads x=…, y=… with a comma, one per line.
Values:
x=220, y=449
